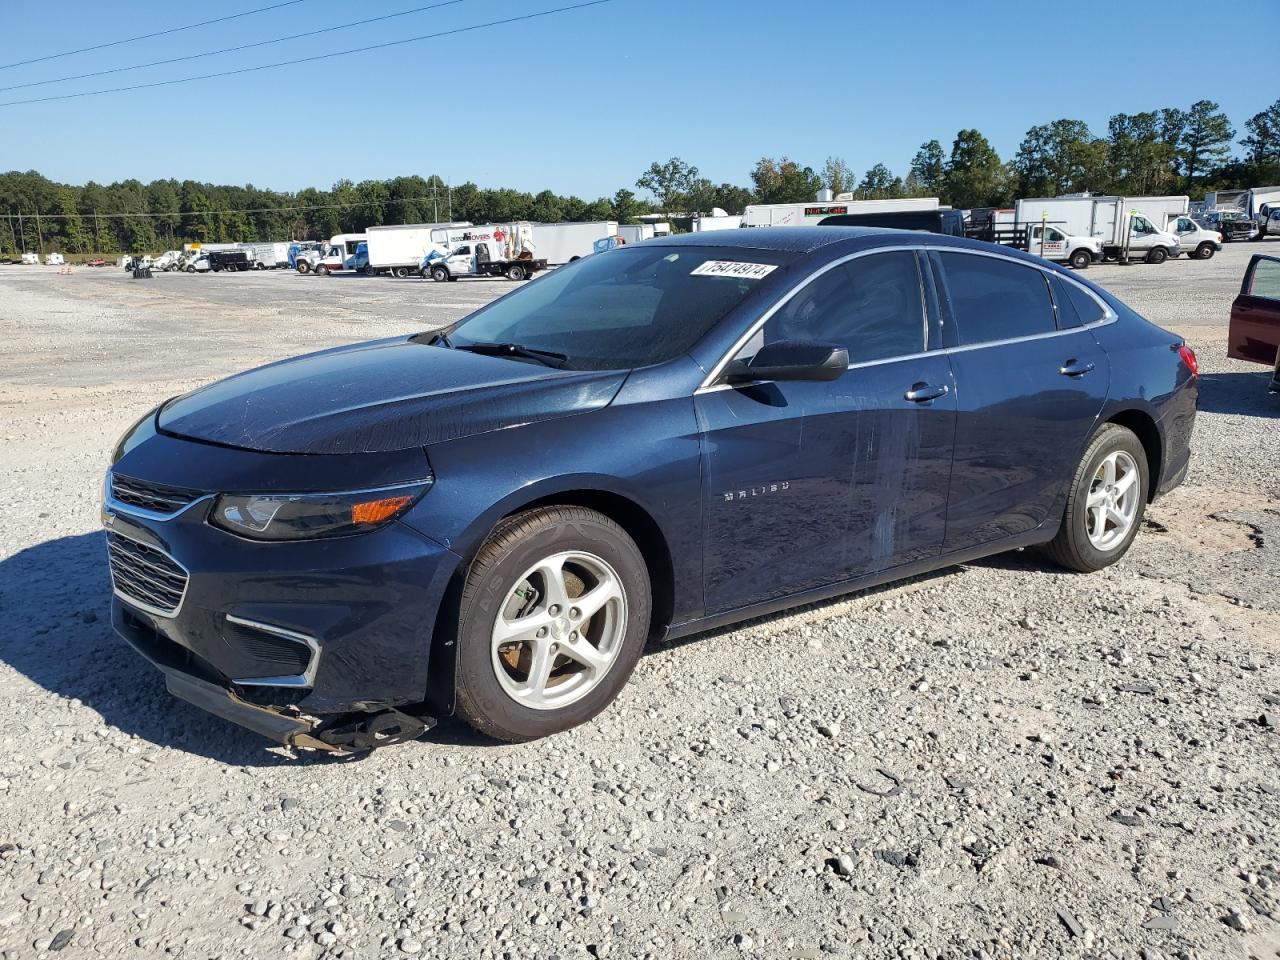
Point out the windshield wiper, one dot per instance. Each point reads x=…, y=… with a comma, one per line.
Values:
x=546, y=357
x=432, y=337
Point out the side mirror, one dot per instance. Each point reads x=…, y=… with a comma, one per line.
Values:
x=791, y=360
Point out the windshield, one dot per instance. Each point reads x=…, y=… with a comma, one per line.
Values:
x=624, y=308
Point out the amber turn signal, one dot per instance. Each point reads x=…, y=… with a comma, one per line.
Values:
x=376, y=511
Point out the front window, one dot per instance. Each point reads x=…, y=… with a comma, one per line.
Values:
x=873, y=306
x=629, y=307
x=1265, y=281
x=1140, y=225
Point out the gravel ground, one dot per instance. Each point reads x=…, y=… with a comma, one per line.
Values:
x=997, y=761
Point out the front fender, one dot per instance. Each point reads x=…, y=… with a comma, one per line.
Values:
x=645, y=453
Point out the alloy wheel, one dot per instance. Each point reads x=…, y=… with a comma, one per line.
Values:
x=559, y=630
x=1112, y=504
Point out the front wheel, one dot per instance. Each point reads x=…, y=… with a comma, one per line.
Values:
x=1080, y=259
x=1157, y=255
x=1205, y=251
x=1105, y=505
x=439, y=274
x=553, y=617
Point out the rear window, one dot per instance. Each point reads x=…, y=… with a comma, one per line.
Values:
x=996, y=299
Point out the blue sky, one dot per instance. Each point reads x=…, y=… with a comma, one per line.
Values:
x=581, y=102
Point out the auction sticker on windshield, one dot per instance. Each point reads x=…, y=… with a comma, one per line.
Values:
x=733, y=268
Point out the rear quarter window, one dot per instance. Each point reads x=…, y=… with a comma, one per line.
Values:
x=1075, y=307
x=996, y=299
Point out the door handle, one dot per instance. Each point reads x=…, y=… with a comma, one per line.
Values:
x=1074, y=368
x=924, y=392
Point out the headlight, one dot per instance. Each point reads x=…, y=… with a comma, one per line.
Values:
x=306, y=516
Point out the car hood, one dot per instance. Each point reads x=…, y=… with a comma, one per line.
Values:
x=379, y=397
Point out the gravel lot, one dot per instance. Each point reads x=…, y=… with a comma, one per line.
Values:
x=998, y=761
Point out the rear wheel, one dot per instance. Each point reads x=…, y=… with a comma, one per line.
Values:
x=323, y=270
x=553, y=618
x=1105, y=505
x=1205, y=251
x=516, y=272
x=400, y=272
x=1157, y=255
x=1080, y=259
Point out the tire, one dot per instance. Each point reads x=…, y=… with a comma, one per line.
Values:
x=191, y=269
x=1205, y=251
x=516, y=272
x=322, y=270
x=1157, y=255
x=589, y=550
x=439, y=274
x=303, y=267
x=400, y=272
x=1080, y=259
x=1075, y=547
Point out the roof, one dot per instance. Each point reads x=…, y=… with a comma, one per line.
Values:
x=785, y=239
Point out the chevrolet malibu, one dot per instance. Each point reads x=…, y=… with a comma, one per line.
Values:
x=492, y=519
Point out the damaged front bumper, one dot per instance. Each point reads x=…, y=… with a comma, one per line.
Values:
x=354, y=733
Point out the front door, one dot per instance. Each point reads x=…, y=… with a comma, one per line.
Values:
x=810, y=483
x=460, y=260
x=1186, y=230
x=1031, y=381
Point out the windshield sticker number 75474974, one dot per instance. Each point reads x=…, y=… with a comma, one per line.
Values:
x=733, y=268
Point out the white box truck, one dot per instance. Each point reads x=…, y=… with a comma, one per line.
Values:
x=342, y=252
x=267, y=255
x=811, y=214
x=1260, y=203
x=559, y=243
x=635, y=232
x=1123, y=232
x=398, y=250
x=490, y=250
x=716, y=221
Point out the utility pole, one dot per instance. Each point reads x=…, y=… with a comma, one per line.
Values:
x=22, y=230
x=97, y=232
x=40, y=233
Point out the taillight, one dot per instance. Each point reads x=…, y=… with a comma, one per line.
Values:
x=1189, y=358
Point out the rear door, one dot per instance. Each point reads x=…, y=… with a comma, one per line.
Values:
x=1255, y=315
x=1031, y=381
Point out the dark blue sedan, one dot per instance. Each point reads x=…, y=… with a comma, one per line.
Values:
x=493, y=519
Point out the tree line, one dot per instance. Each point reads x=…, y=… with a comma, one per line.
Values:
x=1170, y=150
x=1166, y=151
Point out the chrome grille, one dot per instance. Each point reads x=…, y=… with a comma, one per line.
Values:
x=145, y=576
x=157, y=497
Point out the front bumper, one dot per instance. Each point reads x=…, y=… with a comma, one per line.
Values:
x=324, y=626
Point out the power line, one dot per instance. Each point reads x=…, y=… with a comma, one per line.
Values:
x=311, y=59
x=243, y=46
x=149, y=36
